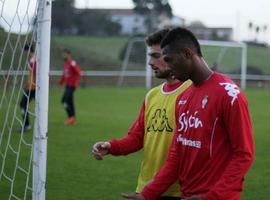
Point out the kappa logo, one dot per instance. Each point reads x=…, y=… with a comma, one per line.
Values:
x=232, y=90
x=159, y=122
x=187, y=120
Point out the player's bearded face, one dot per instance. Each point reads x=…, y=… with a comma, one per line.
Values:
x=157, y=63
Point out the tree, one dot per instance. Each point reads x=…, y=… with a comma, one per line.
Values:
x=258, y=29
x=63, y=12
x=197, y=24
x=250, y=28
x=146, y=6
x=152, y=9
x=91, y=22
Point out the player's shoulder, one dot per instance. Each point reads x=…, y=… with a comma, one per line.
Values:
x=222, y=83
x=73, y=63
x=227, y=89
x=184, y=86
x=154, y=90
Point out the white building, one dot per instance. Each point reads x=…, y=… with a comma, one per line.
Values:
x=217, y=33
x=133, y=23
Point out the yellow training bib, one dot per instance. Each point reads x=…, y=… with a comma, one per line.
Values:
x=159, y=123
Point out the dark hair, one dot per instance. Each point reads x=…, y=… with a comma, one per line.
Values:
x=179, y=38
x=156, y=37
x=66, y=51
x=30, y=47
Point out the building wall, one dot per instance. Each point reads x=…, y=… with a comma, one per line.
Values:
x=131, y=24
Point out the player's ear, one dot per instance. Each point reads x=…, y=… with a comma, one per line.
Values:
x=187, y=53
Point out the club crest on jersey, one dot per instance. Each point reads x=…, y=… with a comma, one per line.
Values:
x=182, y=102
x=204, y=101
x=232, y=90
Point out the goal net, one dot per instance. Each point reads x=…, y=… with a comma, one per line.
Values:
x=227, y=57
x=24, y=46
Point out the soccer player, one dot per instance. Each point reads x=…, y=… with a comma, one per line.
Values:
x=213, y=145
x=70, y=78
x=29, y=90
x=154, y=127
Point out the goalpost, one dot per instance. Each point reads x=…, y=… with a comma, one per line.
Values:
x=23, y=154
x=234, y=51
x=229, y=57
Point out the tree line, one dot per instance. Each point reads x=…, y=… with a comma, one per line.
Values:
x=69, y=20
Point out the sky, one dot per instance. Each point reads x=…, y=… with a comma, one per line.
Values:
x=213, y=13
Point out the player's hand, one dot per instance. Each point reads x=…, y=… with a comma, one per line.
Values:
x=132, y=196
x=100, y=149
x=193, y=197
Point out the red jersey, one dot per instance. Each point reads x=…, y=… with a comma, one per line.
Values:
x=213, y=145
x=71, y=74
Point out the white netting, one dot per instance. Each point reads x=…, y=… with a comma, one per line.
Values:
x=17, y=30
x=226, y=57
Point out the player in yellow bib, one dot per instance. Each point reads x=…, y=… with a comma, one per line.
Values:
x=153, y=130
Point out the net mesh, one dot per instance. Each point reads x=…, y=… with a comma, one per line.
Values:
x=17, y=30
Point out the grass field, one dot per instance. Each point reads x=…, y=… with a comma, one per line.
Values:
x=103, y=53
x=103, y=113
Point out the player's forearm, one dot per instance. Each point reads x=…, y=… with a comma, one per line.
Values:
x=133, y=141
x=125, y=146
x=161, y=182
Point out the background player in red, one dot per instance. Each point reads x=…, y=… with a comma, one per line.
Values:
x=30, y=88
x=154, y=127
x=70, y=79
x=213, y=145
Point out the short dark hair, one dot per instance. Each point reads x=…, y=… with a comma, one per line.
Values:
x=30, y=47
x=156, y=37
x=65, y=50
x=180, y=38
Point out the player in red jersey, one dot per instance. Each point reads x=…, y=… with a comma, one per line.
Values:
x=29, y=90
x=70, y=79
x=213, y=145
x=153, y=130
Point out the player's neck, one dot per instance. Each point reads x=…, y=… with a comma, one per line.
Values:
x=171, y=80
x=201, y=73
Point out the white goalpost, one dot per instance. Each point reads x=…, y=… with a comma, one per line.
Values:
x=24, y=24
x=231, y=58
x=225, y=46
x=42, y=95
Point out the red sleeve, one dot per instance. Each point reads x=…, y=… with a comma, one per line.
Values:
x=167, y=175
x=237, y=120
x=133, y=141
x=76, y=69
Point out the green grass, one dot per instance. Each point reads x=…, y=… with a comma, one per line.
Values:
x=103, y=53
x=90, y=52
x=104, y=113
